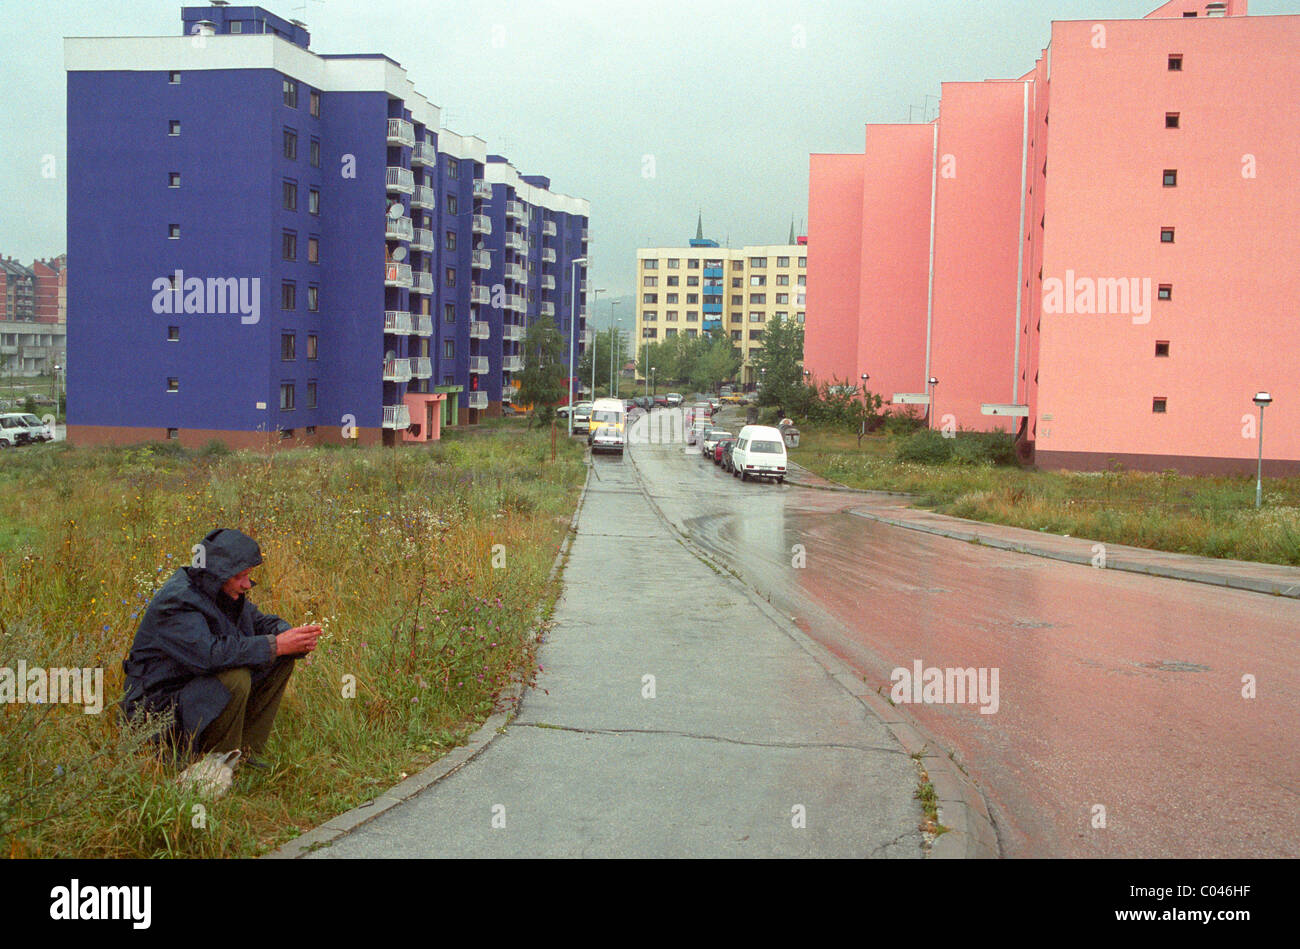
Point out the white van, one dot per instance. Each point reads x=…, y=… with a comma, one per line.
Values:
x=605, y=431
x=759, y=452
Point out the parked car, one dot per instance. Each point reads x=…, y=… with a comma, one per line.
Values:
x=582, y=417
x=37, y=431
x=673, y=398
x=721, y=448
x=727, y=462
x=13, y=431
x=710, y=439
x=660, y=401
x=759, y=453
x=699, y=428
x=607, y=438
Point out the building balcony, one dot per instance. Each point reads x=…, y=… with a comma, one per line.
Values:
x=401, y=132
x=481, y=259
x=582, y=286
x=548, y=229
x=423, y=282
x=548, y=282
x=480, y=294
x=422, y=324
x=424, y=197
x=422, y=239
x=399, y=180
x=397, y=416
x=478, y=365
x=482, y=189
x=516, y=210
x=516, y=272
x=587, y=337
x=397, y=370
x=477, y=400
x=548, y=255
x=399, y=229
x=479, y=329
x=397, y=275
x=516, y=242
x=481, y=224
x=424, y=154
x=423, y=368
x=584, y=233
x=516, y=302
x=397, y=322
x=548, y=309
x=512, y=331
x=513, y=364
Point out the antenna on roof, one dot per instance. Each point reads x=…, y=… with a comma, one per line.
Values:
x=220, y=3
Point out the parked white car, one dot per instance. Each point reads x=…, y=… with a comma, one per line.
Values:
x=759, y=453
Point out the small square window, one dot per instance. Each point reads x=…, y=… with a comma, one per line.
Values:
x=1165, y=291
x=311, y=395
x=290, y=90
x=173, y=433
x=453, y=168
x=1159, y=405
x=173, y=232
x=174, y=77
x=174, y=179
x=1171, y=178
x=236, y=27
x=288, y=347
x=310, y=430
x=1166, y=235
x=451, y=204
x=314, y=101
x=173, y=384
x=313, y=151
x=313, y=346
x=313, y=250
x=289, y=245
x=290, y=144
x=1176, y=63
x=288, y=296
x=313, y=299
x=1171, y=120
x=449, y=349
x=450, y=242
x=313, y=201
x=1162, y=347
x=451, y=276
x=290, y=196
x=174, y=127
x=449, y=312
x=173, y=334
x=286, y=396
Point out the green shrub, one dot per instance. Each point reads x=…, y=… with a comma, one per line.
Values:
x=903, y=423
x=927, y=447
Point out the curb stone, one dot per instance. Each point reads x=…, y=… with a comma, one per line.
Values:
x=971, y=833
x=444, y=767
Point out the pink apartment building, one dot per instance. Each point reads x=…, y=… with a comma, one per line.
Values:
x=1098, y=255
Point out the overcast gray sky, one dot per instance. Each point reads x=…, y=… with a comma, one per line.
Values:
x=727, y=98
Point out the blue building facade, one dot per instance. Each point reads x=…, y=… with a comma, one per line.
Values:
x=268, y=240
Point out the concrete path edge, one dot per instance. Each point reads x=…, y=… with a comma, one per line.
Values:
x=445, y=766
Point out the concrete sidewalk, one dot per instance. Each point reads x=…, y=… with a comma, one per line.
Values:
x=749, y=746
x=1239, y=574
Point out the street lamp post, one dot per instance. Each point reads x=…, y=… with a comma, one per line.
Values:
x=594, y=347
x=615, y=340
x=1263, y=400
x=929, y=405
x=652, y=386
x=573, y=330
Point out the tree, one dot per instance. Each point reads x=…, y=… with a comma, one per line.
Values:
x=780, y=364
x=715, y=361
x=546, y=367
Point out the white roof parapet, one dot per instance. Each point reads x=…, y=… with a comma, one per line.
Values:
x=506, y=174
x=462, y=146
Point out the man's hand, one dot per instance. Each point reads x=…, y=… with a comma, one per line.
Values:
x=297, y=641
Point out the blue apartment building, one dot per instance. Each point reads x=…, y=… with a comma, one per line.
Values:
x=269, y=240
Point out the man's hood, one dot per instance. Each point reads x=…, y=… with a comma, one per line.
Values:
x=224, y=552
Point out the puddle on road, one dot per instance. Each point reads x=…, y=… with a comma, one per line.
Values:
x=1174, y=665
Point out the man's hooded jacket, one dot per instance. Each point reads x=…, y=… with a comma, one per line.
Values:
x=192, y=630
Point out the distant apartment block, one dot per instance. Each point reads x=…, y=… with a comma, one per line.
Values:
x=1097, y=255
x=33, y=337
x=702, y=287
x=223, y=287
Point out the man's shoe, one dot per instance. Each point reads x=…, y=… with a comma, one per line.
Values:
x=253, y=761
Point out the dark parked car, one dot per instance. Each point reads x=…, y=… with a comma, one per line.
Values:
x=661, y=401
x=722, y=448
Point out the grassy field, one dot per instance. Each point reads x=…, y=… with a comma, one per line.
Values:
x=391, y=550
x=1213, y=517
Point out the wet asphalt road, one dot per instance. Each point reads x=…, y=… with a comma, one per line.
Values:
x=1114, y=690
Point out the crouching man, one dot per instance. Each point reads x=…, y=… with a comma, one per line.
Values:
x=208, y=655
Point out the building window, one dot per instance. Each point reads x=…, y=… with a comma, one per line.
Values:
x=313, y=250
x=1171, y=178
x=758, y=298
x=236, y=26
x=649, y=298
x=757, y=317
x=173, y=384
x=803, y=261
x=755, y=334
x=737, y=265
x=783, y=261
x=288, y=295
x=174, y=127
x=453, y=168
x=737, y=334
x=671, y=316
x=291, y=196
x=451, y=204
x=1171, y=120
x=173, y=334
x=1166, y=235
x=288, y=347
x=783, y=280
x=670, y=298
x=802, y=281
x=313, y=103
x=450, y=242
x=649, y=332
x=173, y=433
x=291, y=93
x=653, y=264
x=290, y=144
x=692, y=298
x=783, y=298
x=692, y=316
x=450, y=276
x=449, y=349
x=650, y=281
x=1176, y=63
x=1165, y=291
x=737, y=282
x=313, y=346
x=449, y=312
x=313, y=299
x=798, y=317
x=286, y=396
x=758, y=281
x=313, y=151
x=649, y=316
x=173, y=232
x=691, y=334
x=313, y=201
x=780, y=316
x=737, y=299
x=173, y=77
x=693, y=263
x=289, y=245
x=671, y=331
x=174, y=179
x=758, y=261
x=672, y=281
x=311, y=395
x=1162, y=348
x=1159, y=405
